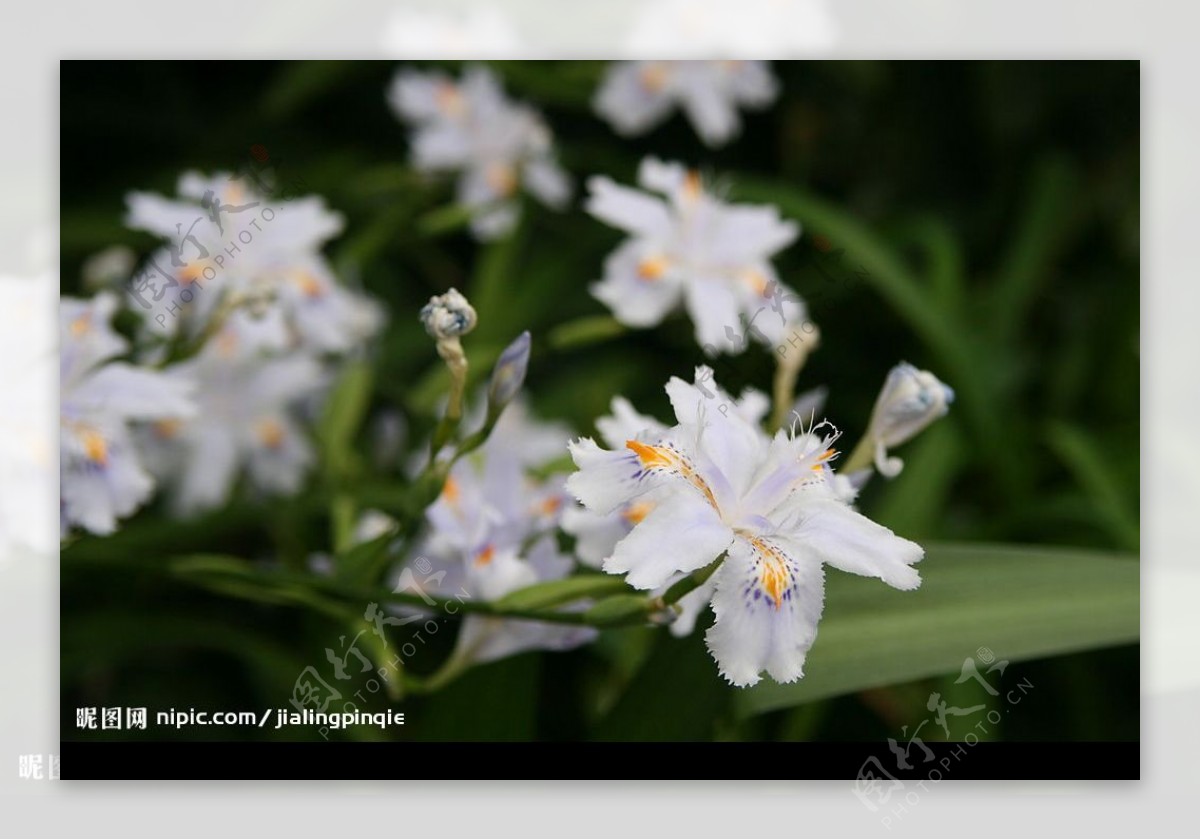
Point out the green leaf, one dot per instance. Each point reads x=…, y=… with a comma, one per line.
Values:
x=675, y=696
x=109, y=636
x=551, y=593
x=343, y=415
x=364, y=244
x=564, y=83
x=446, y=219
x=1022, y=602
x=1050, y=210
x=497, y=271
x=1086, y=460
x=494, y=702
x=944, y=262
x=914, y=503
x=363, y=563
x=589, y=329
x=233, y=576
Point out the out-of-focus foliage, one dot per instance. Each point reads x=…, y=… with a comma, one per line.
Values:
x=977, y=219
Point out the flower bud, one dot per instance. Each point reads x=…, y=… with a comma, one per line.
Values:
x=911, y=399
x=509, y=373
x=448, y=316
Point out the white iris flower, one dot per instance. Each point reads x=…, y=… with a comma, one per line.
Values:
x=247, y=419
x=597, y=534
x=720, y=486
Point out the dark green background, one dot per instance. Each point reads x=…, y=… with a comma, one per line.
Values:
x=1017, y=181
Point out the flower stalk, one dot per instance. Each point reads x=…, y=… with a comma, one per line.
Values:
x=447, y=318
x=789, y=361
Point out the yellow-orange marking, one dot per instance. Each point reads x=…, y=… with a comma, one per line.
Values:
x=501, y=178
x=271, y=433
x=449, y=99
x=227, y=343
x=309, y=284
x=660, y=457
x=652, y=268
x=635, y=512
x=95, y=447
x=654, y=77
x=192, y=271
x=756, y=281
x=825, y=456
x=167, y=429
x=773, y=571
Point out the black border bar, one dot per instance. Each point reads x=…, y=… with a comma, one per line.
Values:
x=351, y=760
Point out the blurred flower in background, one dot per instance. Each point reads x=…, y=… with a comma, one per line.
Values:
x=247, y=418
x=101, y=474
x=638, y=95
x=689, y=247
x=232, y=247
x=496, y=145
x=240, y=316
x=491, y=530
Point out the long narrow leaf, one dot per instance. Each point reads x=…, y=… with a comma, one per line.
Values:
x=1021, y=602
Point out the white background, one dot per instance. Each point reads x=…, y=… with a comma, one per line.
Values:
x=33, y=37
